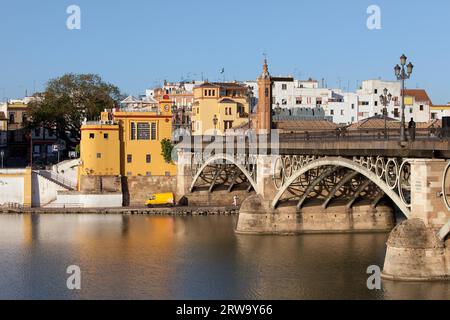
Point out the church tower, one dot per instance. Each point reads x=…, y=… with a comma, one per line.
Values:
x=264, y=111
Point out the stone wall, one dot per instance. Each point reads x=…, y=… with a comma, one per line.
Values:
x=255, y=217
x=426, y=188
x=100, y=184
x=136, y=190
x=217, y=198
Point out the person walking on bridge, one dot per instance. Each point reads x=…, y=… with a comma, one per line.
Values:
x=412, y=129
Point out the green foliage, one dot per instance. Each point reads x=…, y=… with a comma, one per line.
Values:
x=167, y=148
x=68, y=100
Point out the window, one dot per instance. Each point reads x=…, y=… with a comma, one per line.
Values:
x=284, y=86
x=133, y=131
x=353, y=106
x=154, y=137
x=11, y=118
x=342, y=112
x=332, y=112
x=37, y=149
x=376, y=91
x=129, y=158
x=149, y=174
x=143, y=131
x=106, y=136
x=37, y=132
x=433, y=116
x=227, y=125
x=24, y=117
x=421, y=107
x=99, y=155
x=91, y=136
x=410, y=110
x=376, y=103
x=148, y=158
x=298, y=100
x=266, y=92
x=167, y=174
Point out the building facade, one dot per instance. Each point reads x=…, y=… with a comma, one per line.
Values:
x=437, y=112
x=219, y=107
x=127, y=143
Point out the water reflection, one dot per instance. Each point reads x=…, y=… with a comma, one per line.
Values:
x=140, y=257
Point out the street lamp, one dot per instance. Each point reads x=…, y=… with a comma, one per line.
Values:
x=215, y=121
x=385, y=99
x=403, y=75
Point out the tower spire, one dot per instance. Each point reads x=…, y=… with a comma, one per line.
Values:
x=265, y=73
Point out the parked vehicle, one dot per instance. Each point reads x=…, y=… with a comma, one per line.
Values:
x=161, y=199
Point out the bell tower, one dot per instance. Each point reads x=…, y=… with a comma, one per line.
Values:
x=264, y=111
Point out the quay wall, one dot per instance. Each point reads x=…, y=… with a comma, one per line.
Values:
x=137, y=189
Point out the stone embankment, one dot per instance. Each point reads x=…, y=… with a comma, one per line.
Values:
x=177, y=211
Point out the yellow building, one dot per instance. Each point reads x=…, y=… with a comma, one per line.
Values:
x=218, y=107
x=127, y=143
x=100, y=148
x=141, y=136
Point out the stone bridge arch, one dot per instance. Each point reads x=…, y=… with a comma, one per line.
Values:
x=338, y=162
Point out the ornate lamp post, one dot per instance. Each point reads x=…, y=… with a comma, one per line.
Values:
x=403, y=74
x=215, y=121
x=385, y=99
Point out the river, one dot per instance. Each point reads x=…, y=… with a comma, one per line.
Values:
x=143, y=257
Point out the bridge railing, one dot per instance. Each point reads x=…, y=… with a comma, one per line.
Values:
x=436, y=134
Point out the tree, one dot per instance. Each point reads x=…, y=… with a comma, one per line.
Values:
x=70, y=99
x=167, y=148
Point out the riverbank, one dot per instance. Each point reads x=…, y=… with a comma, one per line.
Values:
x=176, y=211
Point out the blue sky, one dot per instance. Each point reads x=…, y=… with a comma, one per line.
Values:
x=136, y=44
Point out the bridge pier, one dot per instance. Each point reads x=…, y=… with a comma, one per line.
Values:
x=414, y=250
x=256, y=217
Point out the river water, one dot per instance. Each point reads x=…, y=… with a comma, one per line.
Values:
x=141, y=257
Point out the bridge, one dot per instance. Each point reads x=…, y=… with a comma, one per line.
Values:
x=300, y=183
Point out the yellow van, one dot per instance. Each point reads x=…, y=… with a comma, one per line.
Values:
x=160, y=199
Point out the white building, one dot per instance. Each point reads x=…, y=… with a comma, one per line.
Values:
x=417, y=101
x=343, y=107
x=349, y=107
x=440, y=111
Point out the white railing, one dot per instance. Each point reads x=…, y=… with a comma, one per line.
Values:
x=52, y=176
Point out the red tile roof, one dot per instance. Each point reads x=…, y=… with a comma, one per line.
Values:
x=419, y=94
x=376, y=122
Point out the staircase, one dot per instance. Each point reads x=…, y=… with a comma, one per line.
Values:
x=58, y=179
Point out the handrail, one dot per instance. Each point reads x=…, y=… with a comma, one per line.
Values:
x=58, y=178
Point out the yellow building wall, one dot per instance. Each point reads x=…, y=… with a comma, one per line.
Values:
x=100, y=156
x=205, y=107
x=27, y=185
x=139, y=149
